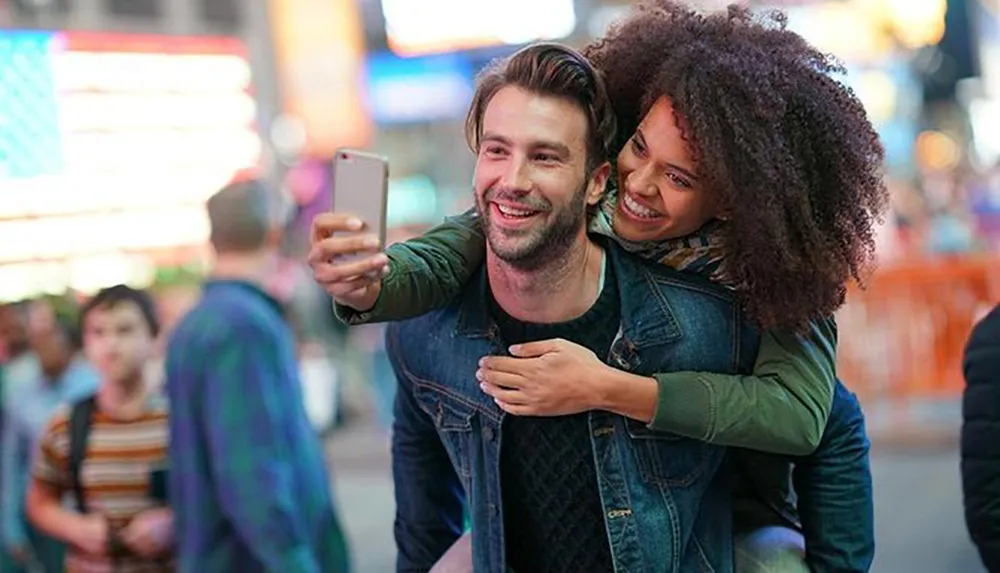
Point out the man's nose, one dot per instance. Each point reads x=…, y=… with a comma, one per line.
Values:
x=113, y=349
x=518, y=176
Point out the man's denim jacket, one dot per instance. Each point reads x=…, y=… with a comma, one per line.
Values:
x=666, y=505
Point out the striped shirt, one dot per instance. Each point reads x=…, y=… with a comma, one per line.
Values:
x=115, y=475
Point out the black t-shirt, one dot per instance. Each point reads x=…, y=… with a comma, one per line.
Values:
x=553, y=518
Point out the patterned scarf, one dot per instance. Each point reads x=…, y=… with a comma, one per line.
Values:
x=700, y=252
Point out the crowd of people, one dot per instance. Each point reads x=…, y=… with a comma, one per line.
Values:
x=943, y=212
x=622, y=358
x=100, y=475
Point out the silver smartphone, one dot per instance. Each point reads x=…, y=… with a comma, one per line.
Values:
x=361, y=186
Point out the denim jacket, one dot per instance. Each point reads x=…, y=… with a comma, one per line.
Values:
x=666, y=505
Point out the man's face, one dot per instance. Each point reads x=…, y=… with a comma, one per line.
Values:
x=117, y=341
x=532, y=185
x=54, y=351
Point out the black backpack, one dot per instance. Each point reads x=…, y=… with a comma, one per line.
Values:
x=80, y=418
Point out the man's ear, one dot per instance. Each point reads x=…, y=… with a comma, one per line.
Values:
x=598, y=183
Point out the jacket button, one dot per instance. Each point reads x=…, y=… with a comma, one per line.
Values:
x=489, y=433
x=493, y=509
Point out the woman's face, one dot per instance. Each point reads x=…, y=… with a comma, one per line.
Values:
x=660, y=195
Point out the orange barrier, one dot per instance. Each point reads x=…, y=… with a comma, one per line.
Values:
x=902, y=338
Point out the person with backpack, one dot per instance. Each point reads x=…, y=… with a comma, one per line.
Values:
x=109, y=451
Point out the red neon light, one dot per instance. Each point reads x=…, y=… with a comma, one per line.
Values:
x=153, y=44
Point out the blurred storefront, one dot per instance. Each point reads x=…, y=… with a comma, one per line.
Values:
x=111, y=144
x=119, y=119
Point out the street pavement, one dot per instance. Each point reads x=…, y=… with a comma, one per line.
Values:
x=918, y=505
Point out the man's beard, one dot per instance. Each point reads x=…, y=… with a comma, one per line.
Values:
x=534, y=247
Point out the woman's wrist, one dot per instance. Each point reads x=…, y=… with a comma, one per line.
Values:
x=627, y=394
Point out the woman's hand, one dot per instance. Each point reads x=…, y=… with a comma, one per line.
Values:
x=544, y=378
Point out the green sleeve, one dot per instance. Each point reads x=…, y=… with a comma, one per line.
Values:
x=426, y=272
x=782, y=408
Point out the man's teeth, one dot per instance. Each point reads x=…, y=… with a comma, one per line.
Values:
x=512, y=212
x=639, y=209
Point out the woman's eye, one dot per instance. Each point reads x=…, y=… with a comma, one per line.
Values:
x=679, y=181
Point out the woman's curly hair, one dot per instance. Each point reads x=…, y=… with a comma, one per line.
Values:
x=788, y=147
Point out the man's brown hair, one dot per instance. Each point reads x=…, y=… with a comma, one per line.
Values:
x=241, y=215
x=555, y=70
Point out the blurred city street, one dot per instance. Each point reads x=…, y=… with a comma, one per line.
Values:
x=774, y=155
x=918, y=505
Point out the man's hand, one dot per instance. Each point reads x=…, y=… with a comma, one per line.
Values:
x=150, y=533
x=545, y=378
x=355, y=283
x=90, y=534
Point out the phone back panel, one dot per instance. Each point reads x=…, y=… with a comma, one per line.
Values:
x=361, y=187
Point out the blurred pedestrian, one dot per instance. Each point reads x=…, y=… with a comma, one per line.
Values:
x=18, y=365
x=108, y=451
x=19, y=362
x=63, y=377
x=249, y=483
x=981, y=438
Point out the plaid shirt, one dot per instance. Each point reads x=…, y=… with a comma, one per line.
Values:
x=248, y=480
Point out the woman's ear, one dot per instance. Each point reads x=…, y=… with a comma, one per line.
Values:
x=723, y=210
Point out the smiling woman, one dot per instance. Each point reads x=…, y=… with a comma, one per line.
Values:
x=742, y=120
x=660, y=197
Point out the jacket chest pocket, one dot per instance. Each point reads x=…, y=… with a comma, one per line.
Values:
x=669, y=459
x=453, y=421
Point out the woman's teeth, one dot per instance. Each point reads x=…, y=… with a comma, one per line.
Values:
x=639, y=210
